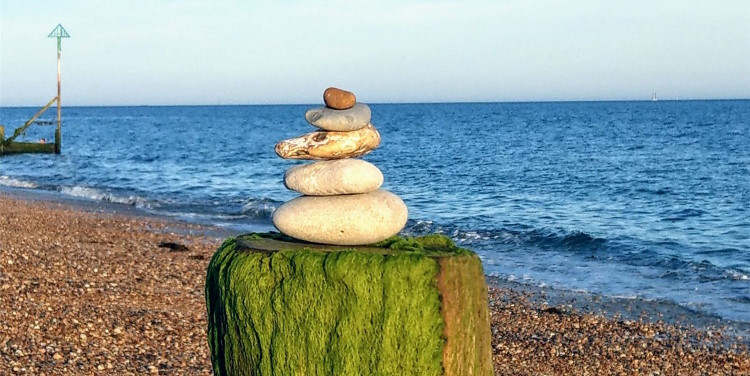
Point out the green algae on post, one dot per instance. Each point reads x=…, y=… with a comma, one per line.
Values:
x=280, y=307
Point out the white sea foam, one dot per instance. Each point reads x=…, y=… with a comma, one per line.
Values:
x=202, y=217
x=258, y=208
x=99, y=195
x=467, y=236
x=736, y=275
x=85, y=192
x=10, y=182
x=628, y=297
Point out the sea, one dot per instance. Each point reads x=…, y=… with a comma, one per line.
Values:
x=631, y=200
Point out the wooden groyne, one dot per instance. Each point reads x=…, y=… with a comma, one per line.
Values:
x=10, y=145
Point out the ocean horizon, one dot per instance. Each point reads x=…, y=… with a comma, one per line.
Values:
x=313, y=104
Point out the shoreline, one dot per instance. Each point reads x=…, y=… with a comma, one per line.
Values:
x=88, y=289
x=88, y=205
x=582, y=301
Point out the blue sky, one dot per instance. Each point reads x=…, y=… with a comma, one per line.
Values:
x=132, y=52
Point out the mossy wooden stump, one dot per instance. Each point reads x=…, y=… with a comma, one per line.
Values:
x=399, y=307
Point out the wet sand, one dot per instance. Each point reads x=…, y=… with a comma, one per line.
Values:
x=90, y=291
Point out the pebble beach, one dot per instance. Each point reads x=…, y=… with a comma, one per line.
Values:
x=86, y=290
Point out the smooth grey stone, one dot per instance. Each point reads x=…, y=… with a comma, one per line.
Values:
x=350, y=119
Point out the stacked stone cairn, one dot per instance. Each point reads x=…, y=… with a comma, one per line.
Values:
x=341, y=203
x=345, y=306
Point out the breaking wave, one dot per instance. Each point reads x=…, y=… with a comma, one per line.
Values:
x=11, y=182
x=261, y=208
x=100, y=195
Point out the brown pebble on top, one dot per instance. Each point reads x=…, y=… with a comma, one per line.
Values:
x=339, y=99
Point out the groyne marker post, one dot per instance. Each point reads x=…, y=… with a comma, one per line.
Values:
x=59, y=32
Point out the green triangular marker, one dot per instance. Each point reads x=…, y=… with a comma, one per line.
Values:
x=59, y=32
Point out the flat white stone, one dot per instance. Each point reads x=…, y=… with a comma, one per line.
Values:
x=336, y=177
x=342, y=220
x=350, y=119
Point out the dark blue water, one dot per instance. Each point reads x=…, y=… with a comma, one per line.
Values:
x=631, y=199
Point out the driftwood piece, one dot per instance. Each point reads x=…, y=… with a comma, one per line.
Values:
x=330, y=145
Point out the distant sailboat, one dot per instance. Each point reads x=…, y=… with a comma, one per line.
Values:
x=654, y=98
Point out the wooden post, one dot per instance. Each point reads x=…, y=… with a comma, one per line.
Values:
x=59, y=32
x=58, y=131
x=402, y=307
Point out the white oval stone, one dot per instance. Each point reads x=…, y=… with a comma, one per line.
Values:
x=350, y=119
x=336, y=177
x=342, y=220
